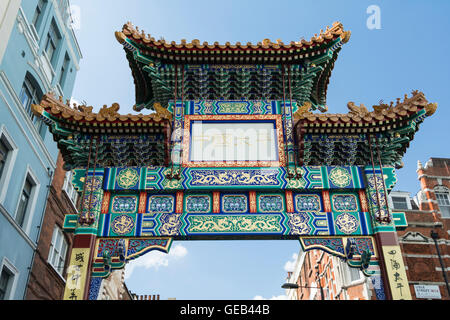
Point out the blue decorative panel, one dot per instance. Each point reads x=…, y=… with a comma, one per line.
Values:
x=124, y=204
x=307, y=202
x=148, y=225
x=299, y=223
x=343, y=202
x=234, y=203
x=180, y=225
x=94, y=288
x=240, y=224
x=198, y=204
x=378, y=286
x=161, y=204
x=272, y=203
x=233, y=178
x=334, y=246
x=215, y=107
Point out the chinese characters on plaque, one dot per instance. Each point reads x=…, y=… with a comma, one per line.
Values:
x=76, y=274
x=395, y=269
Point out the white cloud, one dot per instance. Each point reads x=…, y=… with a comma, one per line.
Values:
x=155, y=259
x=289, y=266
x=280, y=297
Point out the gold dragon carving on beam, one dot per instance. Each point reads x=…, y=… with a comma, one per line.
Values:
x=162, y=112
x=303, y=110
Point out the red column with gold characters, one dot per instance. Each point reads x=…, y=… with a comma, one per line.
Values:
x=179, y=201
x=78, y=273
x=142, y=202
x=363, y=201
x=326, y=200
x=216, y=202
x=252, y=198
x=289, y=201
x=105, y=202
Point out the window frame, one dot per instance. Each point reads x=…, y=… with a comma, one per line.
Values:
x=69, y=189
x=443, y=201
x=64, y=71
x=58, y=250
x=6, y=174
x=53, y=39
x=352, y=281
x=12, y=283
x=34, y=94
x=30, y=209
x=4, y=152
x=38, y=13
x=394, y=202
x=24, y=201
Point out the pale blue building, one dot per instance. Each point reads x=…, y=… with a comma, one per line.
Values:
x=39, y=53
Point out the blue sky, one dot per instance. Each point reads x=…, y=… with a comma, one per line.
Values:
x=409, y=52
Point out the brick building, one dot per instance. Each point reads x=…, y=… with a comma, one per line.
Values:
x=47, y=278
x=424, y=243
x=321, y=276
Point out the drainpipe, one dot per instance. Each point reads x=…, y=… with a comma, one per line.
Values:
x=51, y=174
x=435, y=237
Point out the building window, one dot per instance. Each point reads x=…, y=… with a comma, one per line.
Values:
x=31, y=94
x=3, y=155
x=70, y=189
x=8, y=154
x=24, y=202
x=37, y=18
x=52, y=43
x=5, y=283
x=7, y=276
x=64, y=69
x=443, y=201
x=400, y=203
x=355, y=275
x=58, y=250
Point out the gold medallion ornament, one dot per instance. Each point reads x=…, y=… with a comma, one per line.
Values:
x=340, y=177
x=122, y=224
x=127, y=178
x=347, y=223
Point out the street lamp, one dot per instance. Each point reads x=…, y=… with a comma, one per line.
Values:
x=435, y=237
x=290, y=286
x=296, y=286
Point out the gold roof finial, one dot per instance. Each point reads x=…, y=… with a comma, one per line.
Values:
x=266, y=42
x=120, y=37
x=431, y=108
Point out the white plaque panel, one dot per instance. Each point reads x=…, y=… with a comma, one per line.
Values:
x=233, y=141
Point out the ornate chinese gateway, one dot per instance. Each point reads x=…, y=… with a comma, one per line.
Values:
x=237, y=144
